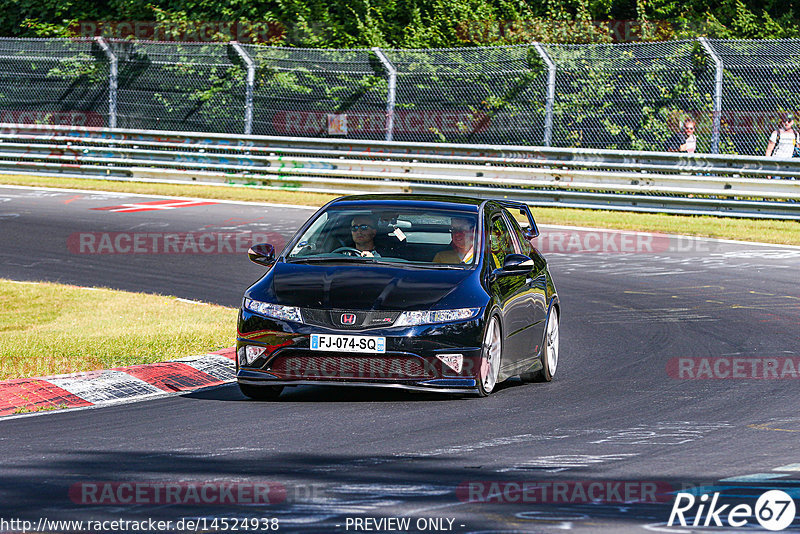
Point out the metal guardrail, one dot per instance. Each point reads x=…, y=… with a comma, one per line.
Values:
x=632, y=96
x=607, y=179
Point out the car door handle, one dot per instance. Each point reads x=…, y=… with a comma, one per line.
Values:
x=532, y=277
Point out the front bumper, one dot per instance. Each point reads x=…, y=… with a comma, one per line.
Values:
x=410, y=360
x=440, y=386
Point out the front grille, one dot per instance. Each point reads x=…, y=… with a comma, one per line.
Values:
x=341, y=366
x=341, y=319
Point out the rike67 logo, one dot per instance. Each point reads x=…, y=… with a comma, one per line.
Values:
x=774, y=510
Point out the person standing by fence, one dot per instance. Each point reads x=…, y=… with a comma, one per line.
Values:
x=685, y=140
x=783, y=139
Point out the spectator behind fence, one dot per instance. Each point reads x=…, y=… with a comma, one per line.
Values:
x=783, y=139
x=685, y=140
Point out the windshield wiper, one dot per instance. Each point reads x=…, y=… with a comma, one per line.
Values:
x=323, y=259
x=437, y=266
x=376, y=260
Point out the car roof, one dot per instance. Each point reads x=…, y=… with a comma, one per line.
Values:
x=411, y=201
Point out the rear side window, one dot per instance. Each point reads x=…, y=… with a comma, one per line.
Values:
x=525, y=245
x=501, y=242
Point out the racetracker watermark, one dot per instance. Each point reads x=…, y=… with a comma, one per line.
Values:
x=169, y=242
x=733, y=368
x=614, y=30
x=569, y=241
x=200, y=493
x=576, y=491
x=55, y=118
x=428, y=121
x=201, y=524
x=243, y=31
x=367, y=368
x=731, y=121
x=399, y=524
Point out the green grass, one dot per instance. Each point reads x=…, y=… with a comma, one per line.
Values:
x=26, y=409
x=48, y=329
x=760, y=230
x=766, y=231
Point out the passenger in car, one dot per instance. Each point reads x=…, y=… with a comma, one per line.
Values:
x=462, y=240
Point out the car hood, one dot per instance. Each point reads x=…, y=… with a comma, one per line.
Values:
x=357, y=287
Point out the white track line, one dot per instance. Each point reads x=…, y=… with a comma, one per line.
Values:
x=141, y=195
x=274, y=205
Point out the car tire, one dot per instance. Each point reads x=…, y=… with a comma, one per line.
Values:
x=491, y=357
x=549, y=355
x=261, y=393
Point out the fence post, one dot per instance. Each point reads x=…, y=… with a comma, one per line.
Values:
x=113, y=78
x=717, y=94
x=550, y=99
x=390, y=97
x=251, y=82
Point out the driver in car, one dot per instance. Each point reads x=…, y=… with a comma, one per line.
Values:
x=462, y=239
x=363, y=229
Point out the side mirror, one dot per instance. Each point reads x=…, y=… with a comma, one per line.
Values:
x=517, y=263
x=530, y=234
x=262, y=254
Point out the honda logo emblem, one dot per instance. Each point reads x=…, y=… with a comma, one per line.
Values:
x=348, y=318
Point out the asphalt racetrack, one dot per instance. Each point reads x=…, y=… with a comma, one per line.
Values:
x=678, y=372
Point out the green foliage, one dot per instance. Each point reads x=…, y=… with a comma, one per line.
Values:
x=81, y=68
x=422, y=23
x=624, y=101
x=49, y=29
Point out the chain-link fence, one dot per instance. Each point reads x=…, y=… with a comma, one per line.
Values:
x=470, y=95
x=759, y=81
x=624, y=96
x=317, y=92
x=61, y=81
x=630, y=97
x=179, y=86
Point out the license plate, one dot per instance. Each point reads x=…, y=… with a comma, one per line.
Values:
x=336, y=342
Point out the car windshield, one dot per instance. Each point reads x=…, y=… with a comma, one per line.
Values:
x=378, y=234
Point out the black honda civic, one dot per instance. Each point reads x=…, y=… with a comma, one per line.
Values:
x=429, y=293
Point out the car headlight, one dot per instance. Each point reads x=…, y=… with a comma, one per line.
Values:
x=411, y=318
x=274, y=311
